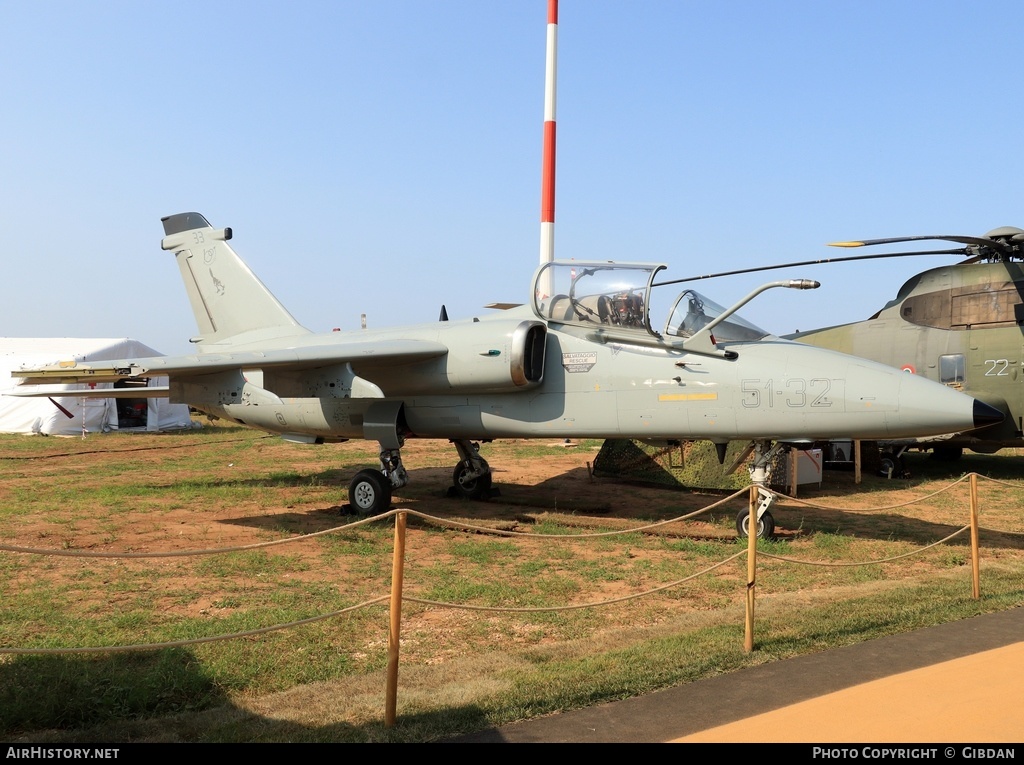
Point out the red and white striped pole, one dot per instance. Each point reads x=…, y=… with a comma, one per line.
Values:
x=547, y=191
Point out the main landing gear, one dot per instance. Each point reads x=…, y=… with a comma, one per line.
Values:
x=471, y=478
x=369, y=492
x=892, y=465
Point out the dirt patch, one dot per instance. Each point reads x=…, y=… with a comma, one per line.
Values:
x=124, y=493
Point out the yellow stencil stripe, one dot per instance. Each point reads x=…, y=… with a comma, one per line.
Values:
x=688, y=397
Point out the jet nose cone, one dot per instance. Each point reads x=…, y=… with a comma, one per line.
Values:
x=986, y=415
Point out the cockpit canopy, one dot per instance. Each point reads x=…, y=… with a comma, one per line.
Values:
x=623, y=296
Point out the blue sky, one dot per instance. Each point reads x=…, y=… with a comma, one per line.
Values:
x=384, y=157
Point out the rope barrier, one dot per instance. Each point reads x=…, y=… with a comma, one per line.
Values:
x=884, y=507
x=189, y=553
x=440, y=604
x=193, y=641
x=591, y=535
x=594, y=604
x=1001, y=483
x=868, y=562
x=374, y=601
x=160, y=447
x=356, y=524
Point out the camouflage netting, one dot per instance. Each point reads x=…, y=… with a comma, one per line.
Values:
x=692, y=465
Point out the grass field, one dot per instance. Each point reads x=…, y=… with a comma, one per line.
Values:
x=461, y=670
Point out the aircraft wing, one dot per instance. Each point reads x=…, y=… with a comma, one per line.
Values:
x=386, y=353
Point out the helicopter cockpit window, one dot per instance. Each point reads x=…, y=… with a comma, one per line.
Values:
x=952, y=369
x=692, y=311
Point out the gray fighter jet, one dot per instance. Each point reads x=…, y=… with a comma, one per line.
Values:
x=582, y=358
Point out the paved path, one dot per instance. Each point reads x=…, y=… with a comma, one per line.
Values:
x=958, y=682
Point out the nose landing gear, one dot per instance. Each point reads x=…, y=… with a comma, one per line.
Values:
x=764, y=453
x=765, y=521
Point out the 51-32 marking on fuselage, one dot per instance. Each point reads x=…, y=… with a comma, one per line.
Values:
x=792, y=393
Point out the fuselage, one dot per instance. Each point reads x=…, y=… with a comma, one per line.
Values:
x=773, y=389
x=600, y=350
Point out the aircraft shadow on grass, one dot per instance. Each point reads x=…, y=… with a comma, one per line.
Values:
x=562, y=493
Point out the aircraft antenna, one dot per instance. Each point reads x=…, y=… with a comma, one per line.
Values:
x=547, y=191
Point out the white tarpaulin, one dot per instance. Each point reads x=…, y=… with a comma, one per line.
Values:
x=91, y=415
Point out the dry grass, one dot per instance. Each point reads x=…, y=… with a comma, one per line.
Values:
x=460, y=670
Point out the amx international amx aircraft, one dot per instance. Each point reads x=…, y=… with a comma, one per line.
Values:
x=584, y=357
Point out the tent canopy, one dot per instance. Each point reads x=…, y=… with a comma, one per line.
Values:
x=88, y=415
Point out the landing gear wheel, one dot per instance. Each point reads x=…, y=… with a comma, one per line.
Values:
x=474, y=488
x=887, y=466
x=892, y=466
x=369, y=493
x=765, y=525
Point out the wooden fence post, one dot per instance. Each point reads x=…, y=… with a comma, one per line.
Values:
x=856, y=461
x=748, y=642
x=975, y=553
x=395, y=625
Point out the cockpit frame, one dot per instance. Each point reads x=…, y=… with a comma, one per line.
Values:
x=614, y=300
x=611, y=295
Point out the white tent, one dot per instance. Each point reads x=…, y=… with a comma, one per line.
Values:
x=88, y=415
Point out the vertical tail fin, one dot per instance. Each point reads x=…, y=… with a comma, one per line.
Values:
x=228, y=299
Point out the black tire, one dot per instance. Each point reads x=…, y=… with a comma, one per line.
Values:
x=765, y=525
x=369, y=493
x=892, y=466
x=476, y=488
x=889, y=467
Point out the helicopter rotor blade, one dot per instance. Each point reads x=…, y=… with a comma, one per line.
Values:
x=941, y=238
x=1001, y=242
x=820, y=261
